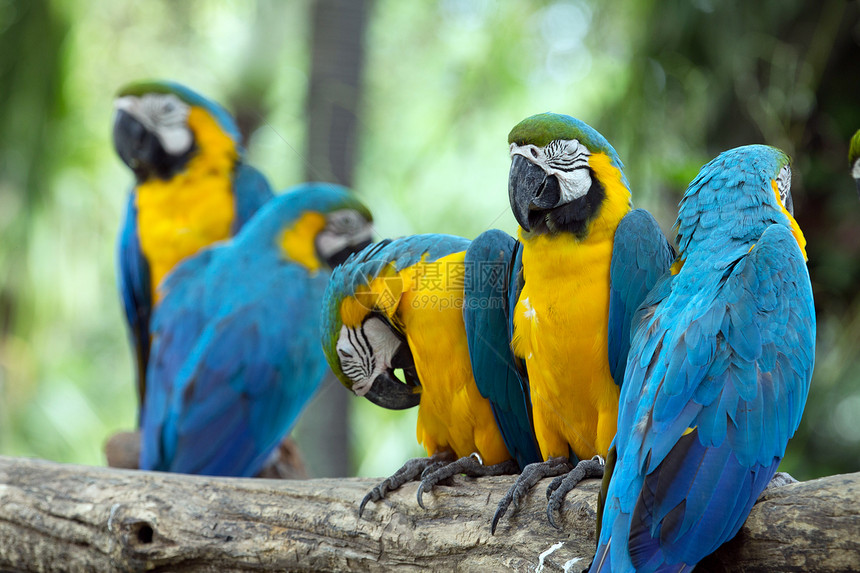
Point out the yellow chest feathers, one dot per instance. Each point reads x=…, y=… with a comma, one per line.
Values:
x=425, y=302
x=195, y=208
x=561, y=331
x=452, y=414
x=565, y=300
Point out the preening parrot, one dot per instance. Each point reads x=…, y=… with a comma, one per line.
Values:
x=192, y=188
x=586, y=262
x=235, y=340
x=854, y=159
x=718, y=371
x=400, y=305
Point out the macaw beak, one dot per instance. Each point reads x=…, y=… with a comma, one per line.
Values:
x=134, y=144
x=531, y=191
x=340, y=256
x=392, y=394
x=141, y=150
x=789, y=204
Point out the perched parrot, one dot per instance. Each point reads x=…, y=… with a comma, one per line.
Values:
x=399, y=305
x=586, y=262
x=854, y=159
x=718, y=371
x=235, y=339
x=192, y=188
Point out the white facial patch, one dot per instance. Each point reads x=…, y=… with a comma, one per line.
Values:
x=783, y=183
x=345, y=227
x=165, y=115
x=567, y=159
x=366, y=352
x=855, y=171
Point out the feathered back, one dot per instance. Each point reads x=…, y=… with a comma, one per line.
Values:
x=731, y=202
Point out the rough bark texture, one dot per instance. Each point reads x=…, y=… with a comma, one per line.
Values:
x=56, y=517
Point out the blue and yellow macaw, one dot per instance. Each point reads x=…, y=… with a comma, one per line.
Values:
x=854, y=159
x=585, y=263
x=718, y=372
x=399, y=305
x=235, y=339
x=192, y=188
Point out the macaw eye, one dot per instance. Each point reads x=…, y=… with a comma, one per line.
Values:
x=345, y=353
x=345, y=222
x=534, y=152
x=567, y=154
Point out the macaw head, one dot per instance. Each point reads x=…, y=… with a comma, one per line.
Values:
x=317, y=225
x=369, y=354
x=160, y=126
x=562, y=172
x=753, y=183
x=361, y=339
x=854, y=159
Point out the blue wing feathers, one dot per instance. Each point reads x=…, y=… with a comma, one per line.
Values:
x=486, y=316
x=134, y=287
x=732, y=360
x=237, y=368
x=252, y=190
x=640, y=256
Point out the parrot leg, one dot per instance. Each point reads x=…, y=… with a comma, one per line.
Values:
x=563, y=484
x=531, y=474
x=468, y=465
x=409, y=472
x=780, y=479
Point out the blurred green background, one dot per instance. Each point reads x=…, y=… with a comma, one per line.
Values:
x=439, y=85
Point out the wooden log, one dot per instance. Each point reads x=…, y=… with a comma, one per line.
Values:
x=56, y=517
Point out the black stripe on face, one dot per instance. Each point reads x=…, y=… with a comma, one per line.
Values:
x=358, y=367
x=369, y=357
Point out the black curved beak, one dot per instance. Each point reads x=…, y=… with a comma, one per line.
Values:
x=789, y=203
x=531, y=191
x=141, y=150
x=339, y=257
x=134, y=144
x=389, y=392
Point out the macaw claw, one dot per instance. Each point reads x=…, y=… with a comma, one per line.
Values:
x=558, y=488
x=779, y=479
x=531, y=474
x=471, y=466
x=410, y=471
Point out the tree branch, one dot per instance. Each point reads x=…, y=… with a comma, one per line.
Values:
x=56, y=517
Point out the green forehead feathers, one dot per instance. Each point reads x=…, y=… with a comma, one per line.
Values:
x=543, y=128
x=854, y=150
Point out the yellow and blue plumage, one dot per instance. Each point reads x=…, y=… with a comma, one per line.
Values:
x=586, y=261
x=718, y=372
x=192, y=188
x=235, y=348
x=398, y=305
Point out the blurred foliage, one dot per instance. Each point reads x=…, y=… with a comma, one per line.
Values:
x=670, y=84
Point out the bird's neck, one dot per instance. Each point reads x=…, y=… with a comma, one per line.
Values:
x=194, y=208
